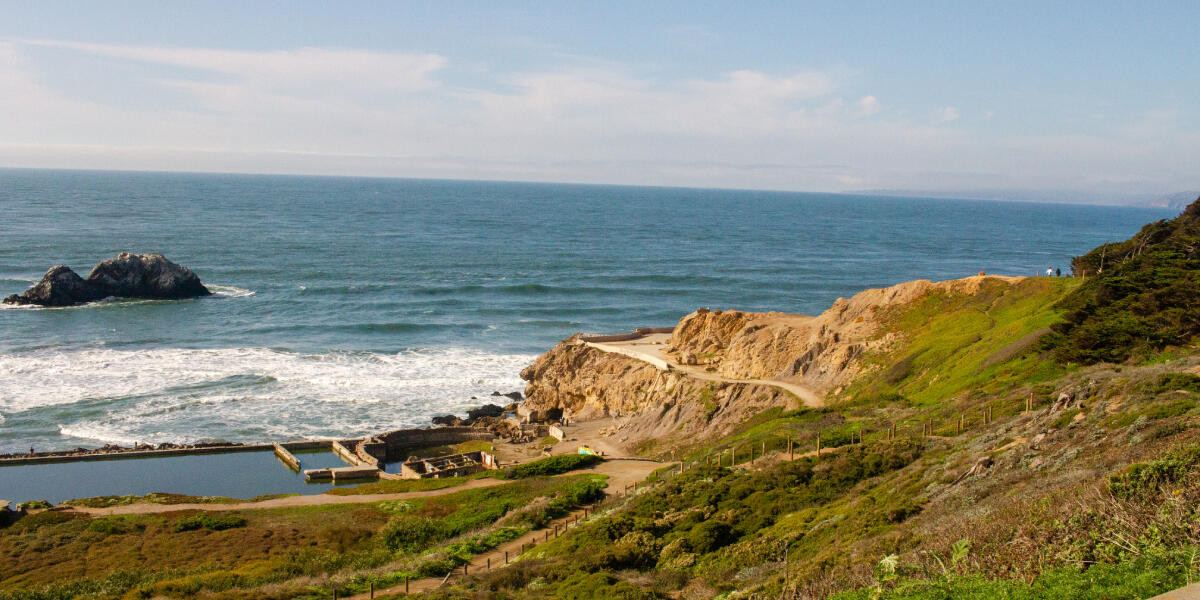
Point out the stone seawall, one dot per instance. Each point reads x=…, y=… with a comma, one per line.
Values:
x=117, y=455
x=638, y=333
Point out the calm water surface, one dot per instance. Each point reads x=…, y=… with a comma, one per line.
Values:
x=235, y=475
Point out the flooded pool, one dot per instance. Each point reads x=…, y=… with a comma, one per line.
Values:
x=235, y=474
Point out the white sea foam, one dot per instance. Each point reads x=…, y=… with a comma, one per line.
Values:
x=228, y=291
x=245, y=394
x=218, y=291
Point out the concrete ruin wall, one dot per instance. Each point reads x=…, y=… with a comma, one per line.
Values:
x=455, y=465
x=391, y=446
x=650, y=330
x=638, y=333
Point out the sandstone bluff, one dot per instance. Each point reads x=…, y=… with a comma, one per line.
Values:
x=149, y=276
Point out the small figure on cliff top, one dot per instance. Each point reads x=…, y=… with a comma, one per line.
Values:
x=1049, y=272
x=1058, y=272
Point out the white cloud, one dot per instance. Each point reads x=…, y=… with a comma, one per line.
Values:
x=869, y=105
x=344, y=111
x=302, y=71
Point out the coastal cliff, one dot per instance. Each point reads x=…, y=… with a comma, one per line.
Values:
x=587, y=383
x=840, y=349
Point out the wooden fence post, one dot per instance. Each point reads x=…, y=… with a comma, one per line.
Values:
x=406, y=584
x=818, y=444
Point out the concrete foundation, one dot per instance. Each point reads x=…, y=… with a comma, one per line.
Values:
x=455, y=465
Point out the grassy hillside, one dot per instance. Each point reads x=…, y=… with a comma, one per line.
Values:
x=303, y=552
x=952, y=343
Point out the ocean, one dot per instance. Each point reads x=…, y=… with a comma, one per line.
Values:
x=346, y=306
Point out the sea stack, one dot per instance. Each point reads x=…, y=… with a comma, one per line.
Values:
x=128, y=275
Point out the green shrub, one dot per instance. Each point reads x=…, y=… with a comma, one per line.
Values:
x=553, y=465
x=112, y=526
x=411, y=533
x=709, y=536
x=1172, y=408
x=1169, y=382
x=207, y=521
x=1142, y=479
x=1142, y=302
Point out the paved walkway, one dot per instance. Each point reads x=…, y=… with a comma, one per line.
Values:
x=652, y=349
x=1191, y=592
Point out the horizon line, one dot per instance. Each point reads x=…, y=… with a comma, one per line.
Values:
x=950, y=195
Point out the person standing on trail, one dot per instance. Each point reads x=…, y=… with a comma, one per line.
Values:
x=1058, y=272
x=1049, y=272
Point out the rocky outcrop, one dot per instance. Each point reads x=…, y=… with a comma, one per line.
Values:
x=126, y=276
x=650, y=404
x=146, y=276
x=816, y=352
x=821, y=353
x=60, y=286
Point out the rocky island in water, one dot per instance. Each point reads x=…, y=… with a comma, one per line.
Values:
x=144, y=276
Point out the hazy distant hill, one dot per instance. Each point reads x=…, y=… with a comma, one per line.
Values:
x=1112, y=197
x=1176, y=201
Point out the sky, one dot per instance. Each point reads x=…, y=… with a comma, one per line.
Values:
x=1091, y=100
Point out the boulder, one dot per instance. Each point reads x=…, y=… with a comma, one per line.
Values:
x=145, y=276
x=126, y=276
x=979, y=468
x=447, y=420
x=8, y=516
x=60, y=286
x=487, y=410
x=1065, y=400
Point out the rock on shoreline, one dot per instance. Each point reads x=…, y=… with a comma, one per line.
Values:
x=149, y=276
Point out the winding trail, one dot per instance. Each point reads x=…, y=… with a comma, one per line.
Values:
x=651, y=348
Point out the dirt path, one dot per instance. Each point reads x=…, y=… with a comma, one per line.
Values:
x=620, y=472
x=652, y=349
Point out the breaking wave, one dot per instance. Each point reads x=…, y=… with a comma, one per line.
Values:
x=241, y=394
